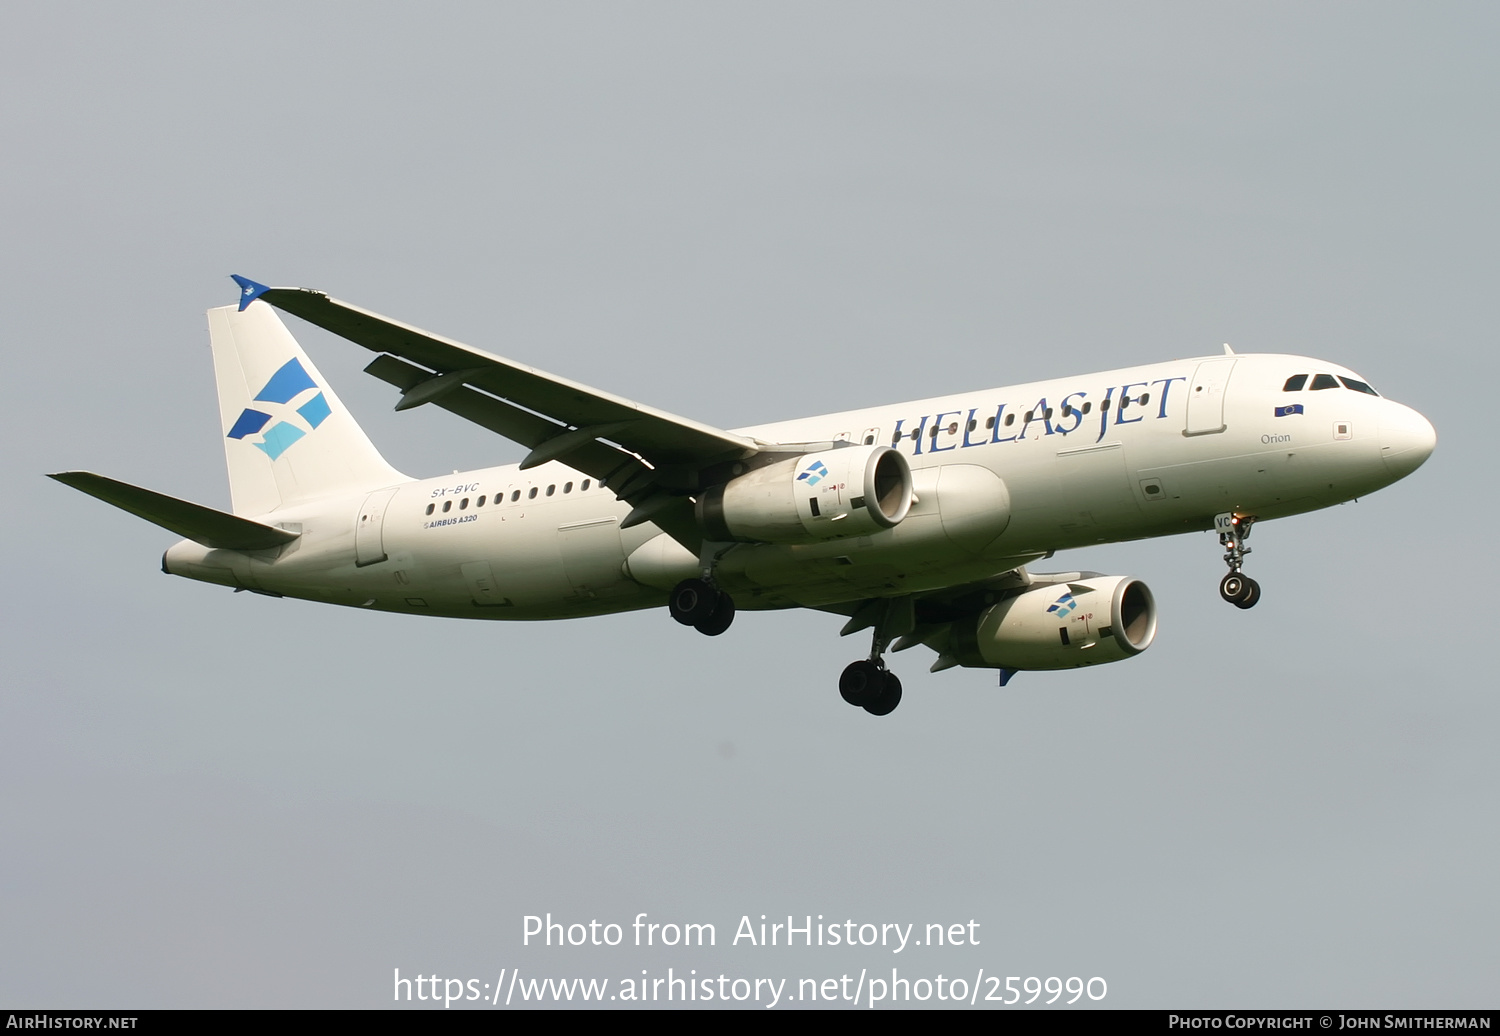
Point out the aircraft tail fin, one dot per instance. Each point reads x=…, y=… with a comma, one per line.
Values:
x=194, y=521
x=287, y=438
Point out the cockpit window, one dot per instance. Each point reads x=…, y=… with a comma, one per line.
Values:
x=1358, y=386
x=1294, y=383
x=1324, y=381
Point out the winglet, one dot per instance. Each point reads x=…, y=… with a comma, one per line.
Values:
x=249, y=290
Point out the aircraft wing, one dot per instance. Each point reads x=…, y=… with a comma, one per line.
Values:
x=651, y=458
x=566, y=406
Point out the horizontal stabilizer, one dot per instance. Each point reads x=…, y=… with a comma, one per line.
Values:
x=193, y=521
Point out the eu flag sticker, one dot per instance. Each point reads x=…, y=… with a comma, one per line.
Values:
x=1295, y=408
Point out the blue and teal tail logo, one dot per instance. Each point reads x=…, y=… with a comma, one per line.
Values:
x=285, y=385
x=1063, y=606
x=815, y=472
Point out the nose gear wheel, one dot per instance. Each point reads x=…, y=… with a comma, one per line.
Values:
x=1239, y=590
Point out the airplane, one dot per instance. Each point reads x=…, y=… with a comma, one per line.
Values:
x=916, y=521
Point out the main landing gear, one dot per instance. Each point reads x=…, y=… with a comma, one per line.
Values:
x=698, y=602
x=868, y=684
x=701, y=605
x=1236, y=588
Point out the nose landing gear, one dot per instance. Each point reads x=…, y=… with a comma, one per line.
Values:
x=1236, y=588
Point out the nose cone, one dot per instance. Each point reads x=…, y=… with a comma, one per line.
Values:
x=1406, y=439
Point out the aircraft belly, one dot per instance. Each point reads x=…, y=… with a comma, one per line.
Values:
x=592, y=555
x=523, y=558
x=519, y=562
x=915, y=557
x=1266, y=482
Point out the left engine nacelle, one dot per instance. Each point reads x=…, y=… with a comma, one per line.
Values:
x=1085, y=621
x=853, y=491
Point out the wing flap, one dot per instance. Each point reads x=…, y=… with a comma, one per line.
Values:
x=214, y=529
x=583, y=453
x=633, y=480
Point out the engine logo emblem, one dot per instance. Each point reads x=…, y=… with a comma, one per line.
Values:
x=814, y=473
x=1063, y=606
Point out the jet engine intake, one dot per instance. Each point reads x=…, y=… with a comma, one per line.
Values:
x=827, y=494
x=1085, y=621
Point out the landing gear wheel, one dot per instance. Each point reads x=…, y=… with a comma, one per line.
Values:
x=1251, y=594
x=890, y=697
x=722, y=616
x=1233, y=587
x=861, y=683
x=693, y=602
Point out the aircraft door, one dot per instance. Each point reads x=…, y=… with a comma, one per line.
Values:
x=1205, y=407
x=369, y=543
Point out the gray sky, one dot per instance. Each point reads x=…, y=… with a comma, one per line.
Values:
x=742, y=213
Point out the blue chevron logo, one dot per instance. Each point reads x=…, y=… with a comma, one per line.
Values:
x=1063, y=606
x=286, y=385
x=814, y=473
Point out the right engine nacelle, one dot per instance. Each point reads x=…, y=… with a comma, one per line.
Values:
x=1085, y=621
x=853, y=491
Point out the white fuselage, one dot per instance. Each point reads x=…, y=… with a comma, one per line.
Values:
x=994, y=490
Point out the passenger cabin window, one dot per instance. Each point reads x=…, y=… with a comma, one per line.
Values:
x=532, y=494
x=431, y=508
x=1358, y=386
x=585, y=487
x=1295, y=383
x=1324, y=381
x=480, y=501
x=514, y=496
